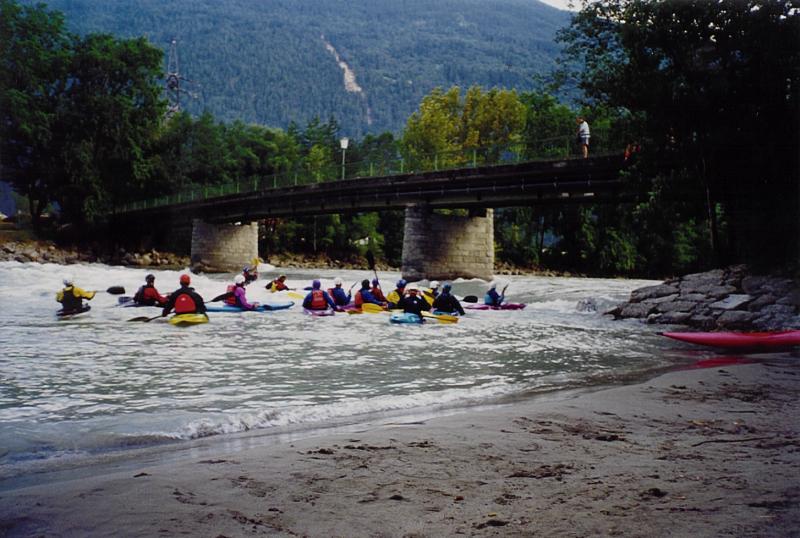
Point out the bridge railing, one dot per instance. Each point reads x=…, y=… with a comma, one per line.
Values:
x=563, y=147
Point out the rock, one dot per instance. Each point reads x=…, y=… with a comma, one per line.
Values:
x=652, y=292
x=636, y=310
x=674, y=318
x=732, y=302
x=792, y=299
x=736, y=319
x=760, y=302
x=676, y=306
x=717, y=292
x=664, y=299
x=586, y=305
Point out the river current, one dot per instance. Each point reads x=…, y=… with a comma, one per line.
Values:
x=98, y=384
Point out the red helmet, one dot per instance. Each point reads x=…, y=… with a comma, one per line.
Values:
x=185, y=279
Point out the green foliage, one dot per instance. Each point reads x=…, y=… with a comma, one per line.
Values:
x=447, y=130
x=78, y=114
x=713, y=87
x=270, y=63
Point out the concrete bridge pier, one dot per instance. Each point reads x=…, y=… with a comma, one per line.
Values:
x=445, y=247
x=220, y=248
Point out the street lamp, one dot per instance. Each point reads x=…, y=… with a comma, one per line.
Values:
x=343, y=142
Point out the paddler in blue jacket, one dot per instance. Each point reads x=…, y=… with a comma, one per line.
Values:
x=185, y=300
x=71, y=297
x=492, y=298
x=238, y=296
x=395, y=295
x=337, y=293
x=446, y=302
x=317, y=299
x=364, y=295
x=413, y=303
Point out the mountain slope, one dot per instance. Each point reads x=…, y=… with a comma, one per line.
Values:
x=273, y=62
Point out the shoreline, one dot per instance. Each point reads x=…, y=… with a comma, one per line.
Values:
x=693, y=452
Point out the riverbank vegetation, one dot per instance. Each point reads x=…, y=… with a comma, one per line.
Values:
x=705, y=94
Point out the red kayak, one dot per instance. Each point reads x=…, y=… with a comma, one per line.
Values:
x=504, y=306
x=775, y=339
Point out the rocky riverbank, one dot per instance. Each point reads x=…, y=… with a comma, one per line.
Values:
x=47, y=252
x=723, y=299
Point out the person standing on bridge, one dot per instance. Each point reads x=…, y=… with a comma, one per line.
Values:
x=583, y=135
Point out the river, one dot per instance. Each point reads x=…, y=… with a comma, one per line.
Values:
x=97, y=384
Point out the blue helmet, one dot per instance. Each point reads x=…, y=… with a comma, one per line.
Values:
x=316, y=284
x=401, y=283
x=447, y=286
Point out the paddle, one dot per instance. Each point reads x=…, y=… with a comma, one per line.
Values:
x=470, y=299
x=371, y=262
x=295, y=295
x=372, y=308
x=145, y=318
x=503, y=293
x=113, y=290
x=443, y=318
x=222, y=297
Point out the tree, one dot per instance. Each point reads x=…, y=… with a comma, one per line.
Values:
x=34, y=51
x=715, y=85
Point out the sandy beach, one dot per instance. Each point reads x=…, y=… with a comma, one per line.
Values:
x=709, y=451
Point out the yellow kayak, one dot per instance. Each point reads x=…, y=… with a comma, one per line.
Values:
x=184, y=320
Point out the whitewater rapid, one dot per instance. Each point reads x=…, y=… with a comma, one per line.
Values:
x=99, y=383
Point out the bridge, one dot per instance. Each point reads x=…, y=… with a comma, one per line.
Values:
x=435, y=245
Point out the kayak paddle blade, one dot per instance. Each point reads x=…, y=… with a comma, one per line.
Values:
x=116, y=290
x=470, y=299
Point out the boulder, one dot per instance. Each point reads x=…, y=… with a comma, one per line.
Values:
x=652, y=292
x=736, y=319
x=732, y=302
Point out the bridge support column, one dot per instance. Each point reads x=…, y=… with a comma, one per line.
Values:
x=219, y=248
x=444, y=247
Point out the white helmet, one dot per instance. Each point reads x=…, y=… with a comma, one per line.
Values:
x=238, y=279
x=68, y=280
x=434, y=284
x=337, y=281
x=492, y=284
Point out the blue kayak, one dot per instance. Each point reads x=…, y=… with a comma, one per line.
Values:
x=405, y=317
x=267, y=307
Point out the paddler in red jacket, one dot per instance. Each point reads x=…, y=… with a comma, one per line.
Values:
x=279, y=284
x=317, y=299
x=185, y=300
x=148, y=294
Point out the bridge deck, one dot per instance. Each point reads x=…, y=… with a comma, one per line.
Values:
x=507, y=185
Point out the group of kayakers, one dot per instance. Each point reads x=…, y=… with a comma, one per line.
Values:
x=185, y=300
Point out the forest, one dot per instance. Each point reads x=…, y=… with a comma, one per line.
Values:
x=266, y=61
x=707, y=94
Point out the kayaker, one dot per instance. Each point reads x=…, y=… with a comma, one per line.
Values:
x=71, y=297
x=395, y=295
x=317, y=299
x=376, y=290
x=337, y=293
x=492, y=298
x=413, y=303
x=237, y=296
x=184, y=300
x=431, y=293
x=446, y=302
x=279, y=284
x=148, y=295
x=364, y=295
x=250, y=274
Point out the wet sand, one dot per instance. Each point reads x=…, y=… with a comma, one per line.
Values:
x=697, y=452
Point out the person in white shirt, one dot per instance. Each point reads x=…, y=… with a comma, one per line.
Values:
x=583, y=135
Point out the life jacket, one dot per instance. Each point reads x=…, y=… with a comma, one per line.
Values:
x=70, y=301
x=147, y=295
x=358, y=299
x=318, y=301
x=184, y=304
x=231, y=300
